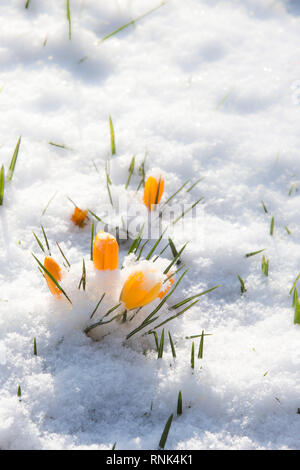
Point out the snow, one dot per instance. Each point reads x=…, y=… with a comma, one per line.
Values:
x=209, y=89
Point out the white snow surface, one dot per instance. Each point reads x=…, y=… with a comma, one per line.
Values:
x=210, y=89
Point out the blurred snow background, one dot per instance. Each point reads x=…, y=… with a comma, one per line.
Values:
x=209, y=89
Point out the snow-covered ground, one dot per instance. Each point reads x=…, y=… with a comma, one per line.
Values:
x=210, y=89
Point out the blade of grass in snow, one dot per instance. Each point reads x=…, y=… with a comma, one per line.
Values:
x=243, y=288
x=173, y=248
x=162, y=251
x=197, y=336
x=193, y=356
x=156, y=340
x=264, y=206
x=19, y=392
x=83, y=276
x=61, y=146
x=155, y=245
x=175, y=259
x=92, y=240
x=27, y=4
x=177, y=315
x=69, y=19
x=179, y=404
x=142, y=173
x=165, y=433
x=265, y=266
x=175, y=194
x=114, y=446
x=187, y=211
x=272, y=226
x=46, y=240
x=34, y=347
x=63, y=255
x=183, y=302
x=171, y=344
x=223, y=100
x=96, y=308
x=254, y=253
x=200, y=352
x=112, y=136
x=51, y=277
x=173, y=274
x=287, y=229
x=13, y=161
x=2, y=182
x=161, y=345
x=194, y=185
x=108, y=183
x=132, y=22
x=101, y=322
x=130, y=170
x=142, y=249
x=39, y=243
x=149, y=319
x=136, y=241
x=96, y=217
x=48, y=203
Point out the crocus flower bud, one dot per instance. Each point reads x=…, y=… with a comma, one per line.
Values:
x=79, y=217
x=153, y=191
x=53, y=267
x=141, y=288
x=105, y=251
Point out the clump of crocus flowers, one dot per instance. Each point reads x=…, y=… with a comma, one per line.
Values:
x=143, y=285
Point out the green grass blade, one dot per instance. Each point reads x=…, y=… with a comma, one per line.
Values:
x=187, y=211
x=19, y=393
x=165, y=433
x=162, y=251
x=2, y=183
x=175, y=259
x=114, y=446
x=131, y=22
x=272, y=226
x=155, y=245
x=243, y=288
x=161, y=345
x=34, y=347
x=174, y=195
x=194, y=185
x=48, y=203
x=179, y=404
x=112, y=137
x=69, y=19
x=265, y=207
x=96, y=217
x=96, y=308
x=136, y=241
x=51, y=277
x=177, y=314
x=46, y=240
x=142, y=173
x=92, y=240
x=83, y=276
x=63, y=255
x=142, y=249
x=200, y=352
x=287, y=230
x=173, y=248
x=13, y=161
x=254, y=253
x=193, y=356
x=27, y=4
x=156, y=340
x=130, y=171
x=39, y=243
x=172, y=346
x=180, y=304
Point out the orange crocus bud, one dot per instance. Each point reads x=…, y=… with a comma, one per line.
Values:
x=79, y=217
x=164, y=292
x=141, y=288
x=53, y=267
x=105, y=251
x=153, y=191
